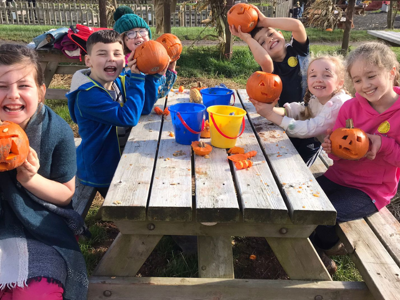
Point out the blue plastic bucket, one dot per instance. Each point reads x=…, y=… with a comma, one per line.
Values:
x=187, y=119
x=216, y=96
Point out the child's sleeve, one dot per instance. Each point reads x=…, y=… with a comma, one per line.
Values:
x=294, y=109
x=315, y=126
x=97, y=104
x=301, y=49
x=390, y=151
x=151, y=92
x=167, y=83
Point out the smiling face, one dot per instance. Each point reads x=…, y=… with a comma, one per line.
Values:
x=19, y=93
x=373, y=83
x=135, y=37
x=106, y=62
x=322, y=79
x=273, y=42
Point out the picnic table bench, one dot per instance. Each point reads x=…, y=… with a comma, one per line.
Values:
x=390, y=37
x=373, y=244
x=53, y=61
x=161, y=188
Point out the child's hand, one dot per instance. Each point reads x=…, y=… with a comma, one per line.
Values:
x=165, y=69
x=242, y=35
x=172, y=65
x=327, y=144
x=132, y=64
x=29, y=168
x=376, y=143
x=264, y=109
x=262, y=19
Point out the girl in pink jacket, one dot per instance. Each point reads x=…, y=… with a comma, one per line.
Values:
x=362, y=187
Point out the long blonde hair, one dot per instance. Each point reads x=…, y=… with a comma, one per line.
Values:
x=340, y=71
x=377, y=54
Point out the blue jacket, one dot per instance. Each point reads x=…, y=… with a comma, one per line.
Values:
x=97, y=115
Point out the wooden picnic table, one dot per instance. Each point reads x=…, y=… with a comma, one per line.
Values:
x=390, y=37
x=53, y=61
x=160, y=188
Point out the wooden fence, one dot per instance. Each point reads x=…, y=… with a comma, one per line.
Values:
x=63, y=14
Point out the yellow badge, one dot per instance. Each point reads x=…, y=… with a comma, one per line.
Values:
x=292, y=61
x=384, y=127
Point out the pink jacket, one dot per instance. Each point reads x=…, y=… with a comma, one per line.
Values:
x=379, y=177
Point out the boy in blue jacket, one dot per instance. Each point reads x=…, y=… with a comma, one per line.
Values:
x=101, y=99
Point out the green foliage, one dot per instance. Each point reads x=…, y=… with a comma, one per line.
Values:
x=60, y=107
x=347, y=271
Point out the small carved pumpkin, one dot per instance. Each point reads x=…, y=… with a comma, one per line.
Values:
x=14, y=146
x=151, y=57
x=349, y=142
x=201, y=148
x=172, y=44
x=205, y=133
x=264, y=87
x=243, y=15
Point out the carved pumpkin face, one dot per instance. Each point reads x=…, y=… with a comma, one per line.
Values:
x=172, y=44
x=151, y=57
x=244, y=15
x=349, y=143
x=264, y=87
x=14, y=146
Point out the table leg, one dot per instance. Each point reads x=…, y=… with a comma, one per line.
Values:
x=215, y=257
x=49, y=72
x=126, y=255
x=299, y=258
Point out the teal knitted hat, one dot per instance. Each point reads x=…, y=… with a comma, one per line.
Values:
x=122, y=10
x=130, y=21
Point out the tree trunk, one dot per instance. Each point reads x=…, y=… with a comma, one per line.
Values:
x=347, y=26
x=228, y=35
x=103, y=13
x=115, y=4
x=390, y=16
x=167, y=16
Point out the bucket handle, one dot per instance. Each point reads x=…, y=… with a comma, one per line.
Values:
x=187, y=126
x=221, y=133
x=234, y=99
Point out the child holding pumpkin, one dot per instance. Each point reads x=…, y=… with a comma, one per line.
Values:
x=39, y=255
x=286, y=60
x=135, y=31
x=358, y=188
x=324, y=97
x=100, y=100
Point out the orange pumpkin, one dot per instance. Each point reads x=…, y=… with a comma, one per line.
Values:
x=349, y=142
x=201, y=148
x=264, y=87
x=243, y=15
x=14, y=146
x=172, y=44
x=151, y=57
x=329, y=29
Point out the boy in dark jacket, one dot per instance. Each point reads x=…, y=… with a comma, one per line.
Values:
x=101, y=99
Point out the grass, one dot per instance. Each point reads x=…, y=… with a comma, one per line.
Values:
x=25, y=33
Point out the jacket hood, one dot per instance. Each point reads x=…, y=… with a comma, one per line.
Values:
x=80, y=82
x=366, y=106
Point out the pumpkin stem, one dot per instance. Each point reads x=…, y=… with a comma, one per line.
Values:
x=349, y=123
x=199, y=84
x=202, y=144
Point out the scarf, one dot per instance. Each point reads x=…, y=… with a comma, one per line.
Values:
x=28, y=224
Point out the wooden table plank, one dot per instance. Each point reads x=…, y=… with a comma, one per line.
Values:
x=306, y=201
x=389, y=36
x=171, y=196
x=260, y=198
x=129, y=189
x=216, y=197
